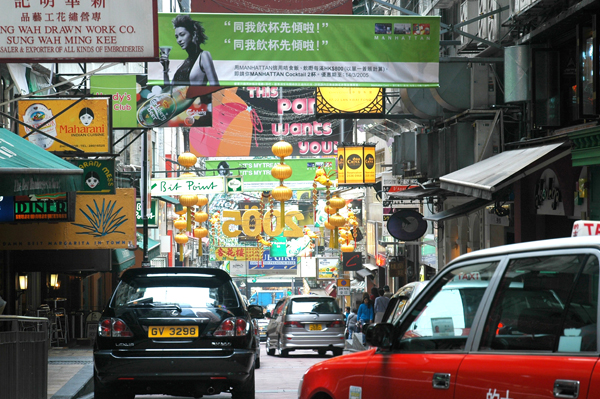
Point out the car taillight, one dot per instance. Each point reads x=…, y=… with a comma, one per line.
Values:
x=232, y=327
x=293, y=324
x=336, y=323
x=114, y=327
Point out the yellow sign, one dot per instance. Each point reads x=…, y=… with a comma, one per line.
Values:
x=356, y=164
x=75, y=123
x=238, y=253
x=251, y=223
x=101, y=222
x=349, y=100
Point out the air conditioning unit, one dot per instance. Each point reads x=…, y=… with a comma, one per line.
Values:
x=482, y=135
x=483, y=86
x=468, y=11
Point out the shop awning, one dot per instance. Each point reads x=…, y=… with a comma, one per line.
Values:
x=370, y=266
x=417, y=193
x=459, y=210
x=484, y=178
x=364, y=273
x=28, y=169
x=122, y=258
x=153, y=246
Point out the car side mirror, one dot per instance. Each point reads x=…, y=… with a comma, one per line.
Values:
x=380, y=335
x=256, y=311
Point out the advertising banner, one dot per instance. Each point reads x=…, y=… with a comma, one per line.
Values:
x=123, y=91
x=356, y=165
x=101, y=222
x=78, y=31
x=274, y=263
x=25, y=208
x=238, y=253
x=348, y=102
x=187, y=185
x=98, y=175
x=67, y=123
x=327, y=268
x=257, y=173
x=301, y=50
x=248, y=121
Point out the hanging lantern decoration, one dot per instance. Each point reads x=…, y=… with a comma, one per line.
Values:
x=200, y=233
x=187, y=160
x=281, y=172
x=335, y=219
x=200, y=217
x=188, y=200
x=181, y=239
x=345, y=238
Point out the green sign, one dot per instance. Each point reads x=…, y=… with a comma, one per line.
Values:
x=152, y=217
x=98, y=176
x=310, y=50
x=122, y=89
x=234, y=184
x=257, y=173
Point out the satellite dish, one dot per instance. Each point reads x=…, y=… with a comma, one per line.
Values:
x=407, y=225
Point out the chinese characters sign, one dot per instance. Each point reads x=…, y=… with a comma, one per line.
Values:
x=77, y=30
x=312, y=50
x=238, y=253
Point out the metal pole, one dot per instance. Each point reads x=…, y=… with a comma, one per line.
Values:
x=144, y=189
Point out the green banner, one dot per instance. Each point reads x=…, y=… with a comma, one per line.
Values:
x=122, y=89
x=298, y=50
x=256, y=174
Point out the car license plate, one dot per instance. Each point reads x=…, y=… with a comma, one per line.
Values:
x=172, y=332
x=315, y=327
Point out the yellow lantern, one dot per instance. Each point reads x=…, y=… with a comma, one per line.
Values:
x=328, y=225
x=187, y=160
x=202, y=201
x=181, y=239
x=180, y=223
x=281, y=171
x=282, y=149
x=337, y=220
x=282, y=194
x=200, y=233
x=201, y=217
x=336, y=202
x=180, y=210
x=347, y=248
x=330, y=210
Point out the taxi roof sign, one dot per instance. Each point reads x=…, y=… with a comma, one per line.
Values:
x=582, y=228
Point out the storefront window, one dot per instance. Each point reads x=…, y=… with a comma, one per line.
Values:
x=587, y=73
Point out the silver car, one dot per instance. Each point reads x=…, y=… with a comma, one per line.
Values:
x=306, y=322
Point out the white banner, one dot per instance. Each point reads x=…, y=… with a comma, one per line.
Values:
x=190, y=185
x=78, y=30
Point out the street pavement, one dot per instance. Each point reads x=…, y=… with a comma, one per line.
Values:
x=70, y=373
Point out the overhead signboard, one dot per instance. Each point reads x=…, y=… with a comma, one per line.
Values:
x=101, y=222
x=349, y=102
x=311, y=50
x=152, y=216
x=327, y=268
x=269, y=262
x=67, y=124
x=356, y=164
x=248, y=121
x=257, y=172
x=78, y=31
x=187, y=185
x=24, y=208
x=237, y=253
x=98, y=176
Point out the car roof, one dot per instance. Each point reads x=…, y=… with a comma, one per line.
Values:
x=200, y=271
x=531, y=246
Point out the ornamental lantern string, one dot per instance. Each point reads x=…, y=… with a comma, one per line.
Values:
x=281, y=172
x=200, y=217
x=335, y=220
x=180, y=238
x=187, y=160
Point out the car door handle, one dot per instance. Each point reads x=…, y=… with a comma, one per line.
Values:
x=441, y=381
x=566, y=389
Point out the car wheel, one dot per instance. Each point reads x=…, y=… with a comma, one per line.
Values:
x=282, y=352
x=245, y=390
x=270, y=350
x=321, y=352
x=338, y=352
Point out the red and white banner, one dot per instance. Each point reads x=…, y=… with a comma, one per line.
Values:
x=78, y=30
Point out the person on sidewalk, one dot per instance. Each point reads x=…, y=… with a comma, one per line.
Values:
x=387, y=293
x=365, y=314
x=351, y=323
x=381, y=303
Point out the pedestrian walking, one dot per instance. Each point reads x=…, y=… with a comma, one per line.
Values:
x=381, y=303
x=351, y=323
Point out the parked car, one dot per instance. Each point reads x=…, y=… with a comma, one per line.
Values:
x=262, y=328
x=306, y=322
x=401, y=299
x=179, y=331
x=516, y=321
x=256, y=329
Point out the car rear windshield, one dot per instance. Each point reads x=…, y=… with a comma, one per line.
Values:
x=186, y=291
x=314, y=305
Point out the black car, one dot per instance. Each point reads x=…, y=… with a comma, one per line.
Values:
x=180, y=331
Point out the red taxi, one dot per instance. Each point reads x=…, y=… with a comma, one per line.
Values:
x=511, y=322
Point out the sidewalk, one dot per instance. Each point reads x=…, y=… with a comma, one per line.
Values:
x=70, y=372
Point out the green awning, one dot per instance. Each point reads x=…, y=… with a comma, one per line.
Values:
x=153, y=246
x=122, y=258
x=28, y=169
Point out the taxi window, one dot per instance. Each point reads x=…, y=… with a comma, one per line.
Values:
x=441, y=320
x=545, y=304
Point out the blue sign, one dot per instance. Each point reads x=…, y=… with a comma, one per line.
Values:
x=274, y=263
x=7, y=209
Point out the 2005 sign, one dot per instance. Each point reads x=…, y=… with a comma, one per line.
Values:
x=252, y=223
